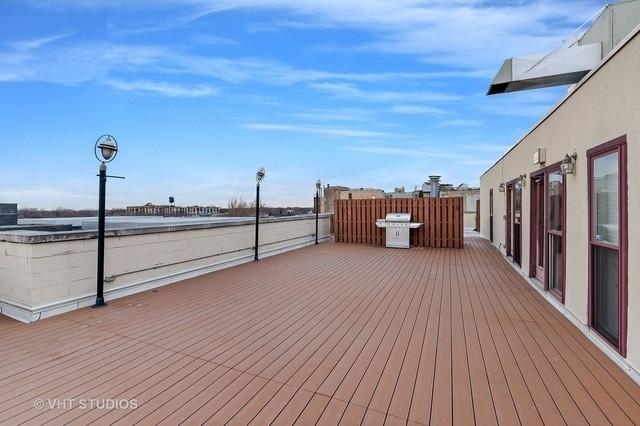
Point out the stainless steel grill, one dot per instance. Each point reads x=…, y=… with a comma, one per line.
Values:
x=398, y=226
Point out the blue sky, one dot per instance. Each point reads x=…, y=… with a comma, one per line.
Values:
x=200, y=93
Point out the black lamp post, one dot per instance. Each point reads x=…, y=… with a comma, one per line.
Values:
x=318, y=186
x=259, y=177
x=105, y=150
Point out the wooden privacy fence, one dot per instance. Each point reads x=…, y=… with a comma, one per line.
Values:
x=442, y=219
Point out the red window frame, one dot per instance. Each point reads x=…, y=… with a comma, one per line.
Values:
x=509, y=221
x=510, y=190
x=555, y=167
x=619, y=145
x=537, y=191
x=562, y=234
x=491, y=214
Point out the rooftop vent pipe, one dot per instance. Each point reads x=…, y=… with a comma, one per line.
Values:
x=435, y=186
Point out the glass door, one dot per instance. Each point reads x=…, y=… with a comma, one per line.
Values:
x=509, y=221
x=537, y=228
x=491, y=214
x=606, y=236
x=555, y=201
x=517, y=223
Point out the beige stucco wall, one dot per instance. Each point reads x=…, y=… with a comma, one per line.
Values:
x=603, y=108
x=40, y=275
x=469, y=220
x=333, y=193
x=14, y=269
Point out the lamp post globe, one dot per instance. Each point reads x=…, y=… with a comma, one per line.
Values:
x=260, y=174
x=106, y=148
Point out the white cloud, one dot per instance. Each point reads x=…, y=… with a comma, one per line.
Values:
x=334, y=114
x=461, y=123
x=418, y=110
x=36, y=43
x=318, y=130
x=163, y=88
x=474, y=34
x=415, y=152
x=353, y=93
x=213, y=40
x=77, y=62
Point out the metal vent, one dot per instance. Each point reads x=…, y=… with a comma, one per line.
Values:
x=578, y=55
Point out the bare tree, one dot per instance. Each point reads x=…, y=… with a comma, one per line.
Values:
x=238, y=207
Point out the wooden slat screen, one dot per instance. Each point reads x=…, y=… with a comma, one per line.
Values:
x=354, y=221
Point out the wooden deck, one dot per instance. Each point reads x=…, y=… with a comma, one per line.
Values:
x=330, y=334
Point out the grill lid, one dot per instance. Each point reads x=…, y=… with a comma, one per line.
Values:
x=398, y=217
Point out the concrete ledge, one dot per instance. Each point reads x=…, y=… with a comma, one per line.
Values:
x=38, y=237
x=28, y=314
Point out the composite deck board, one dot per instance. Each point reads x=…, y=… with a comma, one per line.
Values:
x=331, y=334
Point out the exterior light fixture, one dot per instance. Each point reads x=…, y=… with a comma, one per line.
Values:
x=568, y=164
x=501, y=187
x=260, y=174
x=318, y=187
x=523, y=180
x=105, y=150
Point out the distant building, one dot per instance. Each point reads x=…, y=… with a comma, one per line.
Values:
x=471, y=195
x=444, y=190
x=332, y=193
x=400, y=192
x=8, y=214
x=151, y=209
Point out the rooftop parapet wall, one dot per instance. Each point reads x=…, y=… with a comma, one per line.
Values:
x=46, y=273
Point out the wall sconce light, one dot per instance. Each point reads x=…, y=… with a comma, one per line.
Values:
x=501, y=187
x=568, y=164
x=523, y=180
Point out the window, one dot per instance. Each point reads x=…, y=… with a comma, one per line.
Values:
x=608, y=242
x=554, y=201
x=514, y=219
x=605, y=206
x=555, y=233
